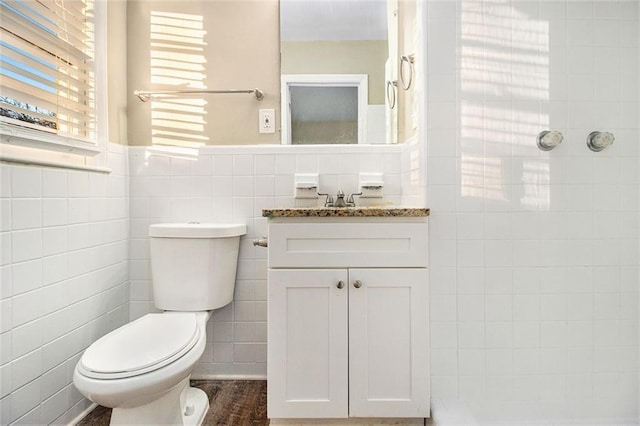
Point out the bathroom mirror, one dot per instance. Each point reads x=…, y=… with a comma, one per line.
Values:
x=326, y=47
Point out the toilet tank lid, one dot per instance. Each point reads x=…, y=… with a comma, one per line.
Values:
x=197, y=230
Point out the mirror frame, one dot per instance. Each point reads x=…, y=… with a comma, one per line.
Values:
x=359, y=81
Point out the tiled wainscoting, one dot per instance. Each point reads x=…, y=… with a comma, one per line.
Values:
x=233, y=184
x=63, y=281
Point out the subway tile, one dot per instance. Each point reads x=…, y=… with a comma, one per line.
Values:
x=25, y=369
x=203, y=166
x=243, y=165
x=499, y=334
x=26, y=182
x=5, y=214
x=470, y=308
x=179, y=166
x=26, y=307
x=26, y=213
x=498, y=307
x=526, y=334
x=553, y=334
x=26, y=338
x=471, y=335
x=55, y=240
x=78, y=184
x=443, y=308
x=444, y=362
x=25, y=245
x=55, y=406
x=6, y=282
x=443, y=334
x=22, y=402
x=5, y=380
x=526, y=361
x=5, y=181
x=471, y=362
x=222, y=165
x=606, y=306
x=26, y=276
x=54, y=211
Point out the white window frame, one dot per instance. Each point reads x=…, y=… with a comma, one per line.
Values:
x=31, y=146
x=359, y=81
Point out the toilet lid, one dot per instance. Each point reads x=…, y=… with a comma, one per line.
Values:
x=141, y=346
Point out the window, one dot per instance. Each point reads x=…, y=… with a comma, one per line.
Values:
x=47, y=72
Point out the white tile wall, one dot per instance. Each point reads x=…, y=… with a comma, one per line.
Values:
x=234, y=184
x=64, y=281
x=534, y=255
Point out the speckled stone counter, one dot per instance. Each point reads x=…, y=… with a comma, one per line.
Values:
x=346, y=212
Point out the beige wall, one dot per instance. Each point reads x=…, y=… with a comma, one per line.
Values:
x=238, y=49
x=339, y=57
x=117, y=70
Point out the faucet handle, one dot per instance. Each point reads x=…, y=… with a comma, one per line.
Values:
x=350, y=199
x=328, y=201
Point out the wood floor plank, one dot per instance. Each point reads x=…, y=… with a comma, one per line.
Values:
x=232, y=403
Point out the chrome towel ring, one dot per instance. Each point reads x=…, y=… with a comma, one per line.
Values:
x=392, y=86
x=409, y=60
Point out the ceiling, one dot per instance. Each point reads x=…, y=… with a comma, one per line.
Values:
x=314, y=20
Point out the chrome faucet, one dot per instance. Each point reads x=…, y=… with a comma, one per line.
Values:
x=340, y=200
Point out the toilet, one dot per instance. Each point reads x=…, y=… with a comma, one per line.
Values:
x=142, y=369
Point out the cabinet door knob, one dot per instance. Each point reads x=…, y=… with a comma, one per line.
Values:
x=340, y=284
x=357, y=283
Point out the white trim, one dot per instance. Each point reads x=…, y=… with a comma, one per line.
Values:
x=285, y=149
x=9, y=158
x=101, y=82
x=228, y=377
x=360, y=81
x=83, y=414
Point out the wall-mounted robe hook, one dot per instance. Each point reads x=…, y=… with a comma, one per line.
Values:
x=597, y=141
x=549, y=139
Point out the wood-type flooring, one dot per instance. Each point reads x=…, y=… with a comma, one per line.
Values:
x=232, y=403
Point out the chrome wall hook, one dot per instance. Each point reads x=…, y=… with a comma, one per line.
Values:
x=597, y=141
x=549, y=139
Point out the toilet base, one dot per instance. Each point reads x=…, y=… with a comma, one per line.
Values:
x=181, y=405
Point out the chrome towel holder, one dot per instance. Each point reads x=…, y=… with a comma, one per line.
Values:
x=145, y=95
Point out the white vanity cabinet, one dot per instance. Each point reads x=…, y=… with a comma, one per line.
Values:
x=348, y=318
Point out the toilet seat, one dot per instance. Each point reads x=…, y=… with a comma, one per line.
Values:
x=142, y=346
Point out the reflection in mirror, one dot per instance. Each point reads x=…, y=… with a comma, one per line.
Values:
x=324, y=108
x=340, y=37
x=324, y=115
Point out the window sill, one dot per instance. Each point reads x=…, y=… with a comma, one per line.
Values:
x=33, y=147
x=18, y=159
x=21, y=136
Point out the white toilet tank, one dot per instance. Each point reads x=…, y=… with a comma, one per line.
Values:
x=193, y=265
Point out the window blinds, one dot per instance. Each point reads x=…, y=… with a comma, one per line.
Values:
x=47, y=66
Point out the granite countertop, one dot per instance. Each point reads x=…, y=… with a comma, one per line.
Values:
x=373, y=211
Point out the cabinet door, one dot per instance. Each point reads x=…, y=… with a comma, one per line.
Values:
x=307, y=368
x=388, y=343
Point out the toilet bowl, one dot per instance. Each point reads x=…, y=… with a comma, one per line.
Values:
x=142, y=369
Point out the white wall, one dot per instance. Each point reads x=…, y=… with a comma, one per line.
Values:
x=234, y=184
x=63, y=281
x=534, y=255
